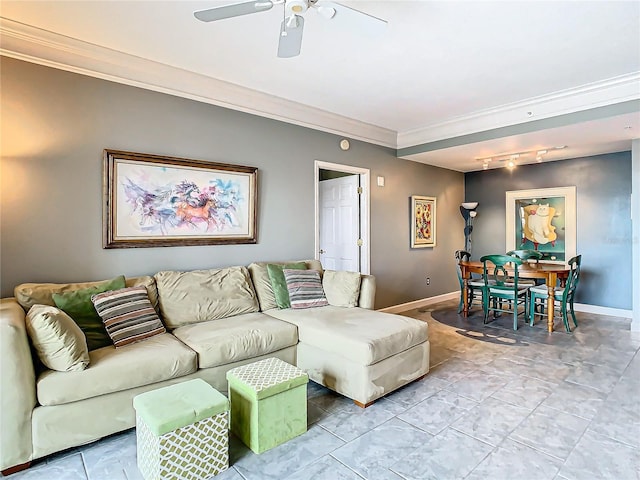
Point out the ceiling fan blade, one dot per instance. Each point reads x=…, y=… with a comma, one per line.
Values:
x=354, y=19
x=235, y=10
x=290, y=36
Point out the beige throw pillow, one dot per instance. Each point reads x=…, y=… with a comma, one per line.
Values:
x=58, y=340
x=342, y=289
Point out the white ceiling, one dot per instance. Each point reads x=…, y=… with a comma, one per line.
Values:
x=441, y=69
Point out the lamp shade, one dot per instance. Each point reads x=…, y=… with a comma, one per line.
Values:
x=469, y=205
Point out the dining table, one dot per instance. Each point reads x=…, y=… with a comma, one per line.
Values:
x=550, y=272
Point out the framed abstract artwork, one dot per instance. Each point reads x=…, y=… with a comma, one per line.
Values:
x=543, y=219
x=156, y=201
x=423, y=221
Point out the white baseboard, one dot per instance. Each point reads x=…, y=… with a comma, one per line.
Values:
x=420, y=303
x=578, y=307
x=614, y=312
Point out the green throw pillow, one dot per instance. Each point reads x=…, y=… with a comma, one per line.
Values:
x=279, y=284
x=78, y=305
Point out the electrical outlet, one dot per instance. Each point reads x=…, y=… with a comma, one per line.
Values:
x=428, y=280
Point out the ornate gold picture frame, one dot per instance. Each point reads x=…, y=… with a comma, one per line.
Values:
x=157, y=201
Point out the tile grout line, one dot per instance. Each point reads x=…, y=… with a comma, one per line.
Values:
x=536, y=449
x=346, y=466
x=84, y=466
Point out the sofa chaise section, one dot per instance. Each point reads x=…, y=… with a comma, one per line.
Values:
x=359, y=353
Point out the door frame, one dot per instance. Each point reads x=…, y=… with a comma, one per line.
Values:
x=365, y=230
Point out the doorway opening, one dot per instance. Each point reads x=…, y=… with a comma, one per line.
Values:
x=342, y=233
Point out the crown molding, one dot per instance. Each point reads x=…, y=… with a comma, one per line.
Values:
x=598, y=94
x=36, y=45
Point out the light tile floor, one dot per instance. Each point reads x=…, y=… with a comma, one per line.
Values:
x=497, y=404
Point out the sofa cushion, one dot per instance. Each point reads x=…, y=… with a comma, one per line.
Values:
x=234, y=339
x=203, y=295
x=279, y=283
x=363, y=336
x=262, y=282
x=57, y=339
x=159, y=358
x=77, y=304
x=30, y=294
x=341, y=288
x=305, y=288
x=128, y=315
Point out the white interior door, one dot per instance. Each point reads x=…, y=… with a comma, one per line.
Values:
x=339, y=223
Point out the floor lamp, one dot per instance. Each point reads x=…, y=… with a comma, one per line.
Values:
x=468, y=211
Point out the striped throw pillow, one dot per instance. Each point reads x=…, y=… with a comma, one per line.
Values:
x=305, y=288
x=128, y=315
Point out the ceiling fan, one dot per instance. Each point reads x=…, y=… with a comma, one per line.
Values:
x=293, y=20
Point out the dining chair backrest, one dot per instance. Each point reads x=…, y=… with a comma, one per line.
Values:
x=526, y=255
x=461, y=256
x=573, y=279
x=495, y=270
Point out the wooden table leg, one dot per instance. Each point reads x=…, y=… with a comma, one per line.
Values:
x=465, y=295
x=552, y=279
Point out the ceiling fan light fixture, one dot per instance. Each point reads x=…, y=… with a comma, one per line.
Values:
x=327, y=12
x=297, y=6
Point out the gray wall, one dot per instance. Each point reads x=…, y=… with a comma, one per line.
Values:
x=603, y=188
x=56, y=124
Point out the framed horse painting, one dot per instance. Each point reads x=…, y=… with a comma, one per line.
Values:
x=156, y=201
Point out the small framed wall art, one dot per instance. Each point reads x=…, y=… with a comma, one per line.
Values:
x=423, y=221
x=156, y=201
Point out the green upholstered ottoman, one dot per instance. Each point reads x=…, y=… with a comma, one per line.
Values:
x=182, y=432
x=268, y=403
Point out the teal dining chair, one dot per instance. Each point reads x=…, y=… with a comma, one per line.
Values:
x=474, y=285
x=525, y=256
x=563, y=296
x=501, y=287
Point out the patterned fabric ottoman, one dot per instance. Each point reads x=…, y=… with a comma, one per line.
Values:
x=182, y=432
x=268, y=403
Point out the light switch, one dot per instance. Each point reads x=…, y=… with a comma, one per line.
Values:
x=380, y=181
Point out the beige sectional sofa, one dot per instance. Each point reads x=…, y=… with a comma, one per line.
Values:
x=216, y=320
